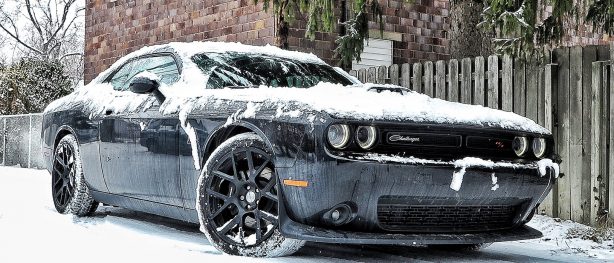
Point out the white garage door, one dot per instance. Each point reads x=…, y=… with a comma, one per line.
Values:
x=377, y=52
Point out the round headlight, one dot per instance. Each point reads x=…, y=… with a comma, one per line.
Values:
x=338, y=135
x=539, y=147
x=366, y=136
x=520, y=145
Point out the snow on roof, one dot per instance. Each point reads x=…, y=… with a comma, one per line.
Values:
x=187, y=50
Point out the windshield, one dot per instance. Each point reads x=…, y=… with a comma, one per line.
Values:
x=246, y=70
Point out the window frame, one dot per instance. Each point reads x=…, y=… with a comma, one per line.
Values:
x=151, y=55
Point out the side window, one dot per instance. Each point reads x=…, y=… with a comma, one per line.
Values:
x=163, y=66
x=119, y=79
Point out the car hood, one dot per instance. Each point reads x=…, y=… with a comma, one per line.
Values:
x=358, y=102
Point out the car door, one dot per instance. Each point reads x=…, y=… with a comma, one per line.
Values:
x=139, y=148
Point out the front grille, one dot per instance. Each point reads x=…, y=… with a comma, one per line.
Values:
x=444, y=218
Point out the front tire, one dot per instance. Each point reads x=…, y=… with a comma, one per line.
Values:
x=238, y=200
x=70, y=193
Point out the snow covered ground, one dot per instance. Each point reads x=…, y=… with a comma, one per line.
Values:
x=31, y=231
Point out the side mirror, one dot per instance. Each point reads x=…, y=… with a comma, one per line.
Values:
x=142, y=85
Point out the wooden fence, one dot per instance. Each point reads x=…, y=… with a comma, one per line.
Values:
x=569, y=94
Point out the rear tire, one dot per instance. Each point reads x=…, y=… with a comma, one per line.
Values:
x=69, y=191
x=237, y=200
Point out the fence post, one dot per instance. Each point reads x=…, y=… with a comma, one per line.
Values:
x=371, y=74
x=405, y=76
x=382, y=75
x=3, y=131
x=466, y=80
x=478, y=85
x=547, y=206
x=394, y=74
x=563, y=132
x=453, y=80
x=610, y=174
x=440, y=80
x=507, y=74
x=519, y=87
x=493, y=82
x=416, y=80
x=575, y=138
x=362, y=75
x=595, y=139
x=428, y=78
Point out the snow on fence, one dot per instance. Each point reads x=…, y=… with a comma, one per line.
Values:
x=20, y=140
x=570, y=94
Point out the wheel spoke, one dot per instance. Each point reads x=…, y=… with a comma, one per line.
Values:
x=268, y=217
x=217, y=195
x=250, y=165
x=267, y=188
x=258, y=230
x=63, y=196
x=57, y=193
x=58, y=182
x=261, y=168
x=270, y=196
x=225, y=176
x=220, y=210
x=234, y=165
x=55, y=168
x=58, y=158
x=229, y=225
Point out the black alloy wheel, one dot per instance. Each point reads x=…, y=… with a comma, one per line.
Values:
x=242, y=197
x=63, y=176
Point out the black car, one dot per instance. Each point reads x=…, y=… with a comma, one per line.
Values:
x=267, y=149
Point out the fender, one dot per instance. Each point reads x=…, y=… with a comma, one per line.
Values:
x=219, y=130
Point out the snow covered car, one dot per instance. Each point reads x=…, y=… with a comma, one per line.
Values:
x=267, y=149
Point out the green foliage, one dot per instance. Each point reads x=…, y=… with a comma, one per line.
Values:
x=320, y=16
x=520, y=27
x=30, y=84
x=601, y=14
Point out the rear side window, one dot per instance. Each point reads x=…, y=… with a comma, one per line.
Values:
x=164, y=67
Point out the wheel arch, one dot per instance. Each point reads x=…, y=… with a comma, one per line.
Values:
x=225, y=132
x=61, y=133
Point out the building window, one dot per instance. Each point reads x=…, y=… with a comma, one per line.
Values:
x=377, y=52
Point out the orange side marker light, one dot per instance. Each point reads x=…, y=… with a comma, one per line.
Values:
x=297, y=183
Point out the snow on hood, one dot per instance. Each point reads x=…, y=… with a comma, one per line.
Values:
x=360, y=104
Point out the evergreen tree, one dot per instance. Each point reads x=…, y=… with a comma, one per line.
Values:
x=513, y=26
x=30, y=84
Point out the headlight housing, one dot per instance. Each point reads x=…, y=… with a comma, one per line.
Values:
x=366, y=137
x=520, y=145
x=539, y=147
x=338, y=135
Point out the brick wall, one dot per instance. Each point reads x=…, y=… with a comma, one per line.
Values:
x=115, y=28
x=421, y=24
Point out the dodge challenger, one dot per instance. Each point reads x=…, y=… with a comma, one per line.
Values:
x=266, y=149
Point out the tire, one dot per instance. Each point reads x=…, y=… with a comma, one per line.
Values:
x=69, y=191
x=461, y=247
x=232, y=205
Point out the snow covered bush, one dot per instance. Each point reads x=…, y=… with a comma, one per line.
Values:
x=30, y=84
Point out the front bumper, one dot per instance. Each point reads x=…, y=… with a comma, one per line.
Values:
x=369, y=186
